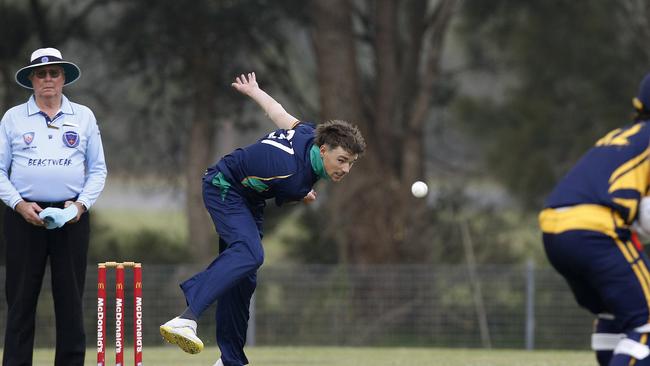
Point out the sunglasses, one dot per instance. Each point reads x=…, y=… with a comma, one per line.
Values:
x=42, y=74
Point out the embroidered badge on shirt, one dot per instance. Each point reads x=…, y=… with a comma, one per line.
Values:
x=28, y=137
x=71, y=139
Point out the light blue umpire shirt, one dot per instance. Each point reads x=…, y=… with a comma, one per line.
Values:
x=50, y=160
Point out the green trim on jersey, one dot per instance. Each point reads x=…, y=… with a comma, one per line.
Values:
x=317, y=162
x=255, y=184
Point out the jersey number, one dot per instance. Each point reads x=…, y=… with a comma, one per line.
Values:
x=619, y=137
x=275, y=139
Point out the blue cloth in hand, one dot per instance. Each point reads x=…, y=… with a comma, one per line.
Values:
x=56, y=217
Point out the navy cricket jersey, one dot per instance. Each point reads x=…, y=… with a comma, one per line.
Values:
x=281, y=165
x=614, y=173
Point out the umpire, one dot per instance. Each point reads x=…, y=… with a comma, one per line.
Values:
x=51, y=155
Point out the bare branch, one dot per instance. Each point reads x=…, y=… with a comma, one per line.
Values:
x=437, y=32
x=278, y=65
x=411, y=51
x=387, y=73
x=422, y=101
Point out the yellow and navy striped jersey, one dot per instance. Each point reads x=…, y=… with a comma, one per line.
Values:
x=613, y=173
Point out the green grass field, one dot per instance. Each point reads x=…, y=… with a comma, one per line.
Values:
x=172, y=223
x=340, y=356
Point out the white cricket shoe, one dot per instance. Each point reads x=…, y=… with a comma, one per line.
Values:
x=219, y=363
x=182, y=332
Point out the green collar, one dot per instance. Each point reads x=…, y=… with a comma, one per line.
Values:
x=317, y=162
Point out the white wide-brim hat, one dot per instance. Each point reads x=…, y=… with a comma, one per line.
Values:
x=47, y=56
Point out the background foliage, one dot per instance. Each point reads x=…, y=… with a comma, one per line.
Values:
x=510, y=95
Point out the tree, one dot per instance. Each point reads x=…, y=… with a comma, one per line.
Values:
x=33, y=24
x=378, y=63
x=184, y=56
x=570, y=76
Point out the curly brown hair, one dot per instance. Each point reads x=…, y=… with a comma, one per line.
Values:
x=337, y=133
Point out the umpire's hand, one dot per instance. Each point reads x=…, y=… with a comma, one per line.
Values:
x=29, y=211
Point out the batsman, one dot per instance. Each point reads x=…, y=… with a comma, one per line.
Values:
x=283, y=165
x=589, y=223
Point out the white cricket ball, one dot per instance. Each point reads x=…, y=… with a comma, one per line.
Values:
x=419, y=189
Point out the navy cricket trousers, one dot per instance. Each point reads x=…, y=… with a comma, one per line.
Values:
x=230, y=279
x=605, y=275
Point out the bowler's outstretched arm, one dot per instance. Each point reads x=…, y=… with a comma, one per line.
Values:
x=247, y=85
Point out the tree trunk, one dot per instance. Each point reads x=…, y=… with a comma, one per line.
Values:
x=371, y=210
x=201, y=233
x=386, y=65
x=363, y=236
x=412, y=162
x=338, y=76
x=339, y=93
